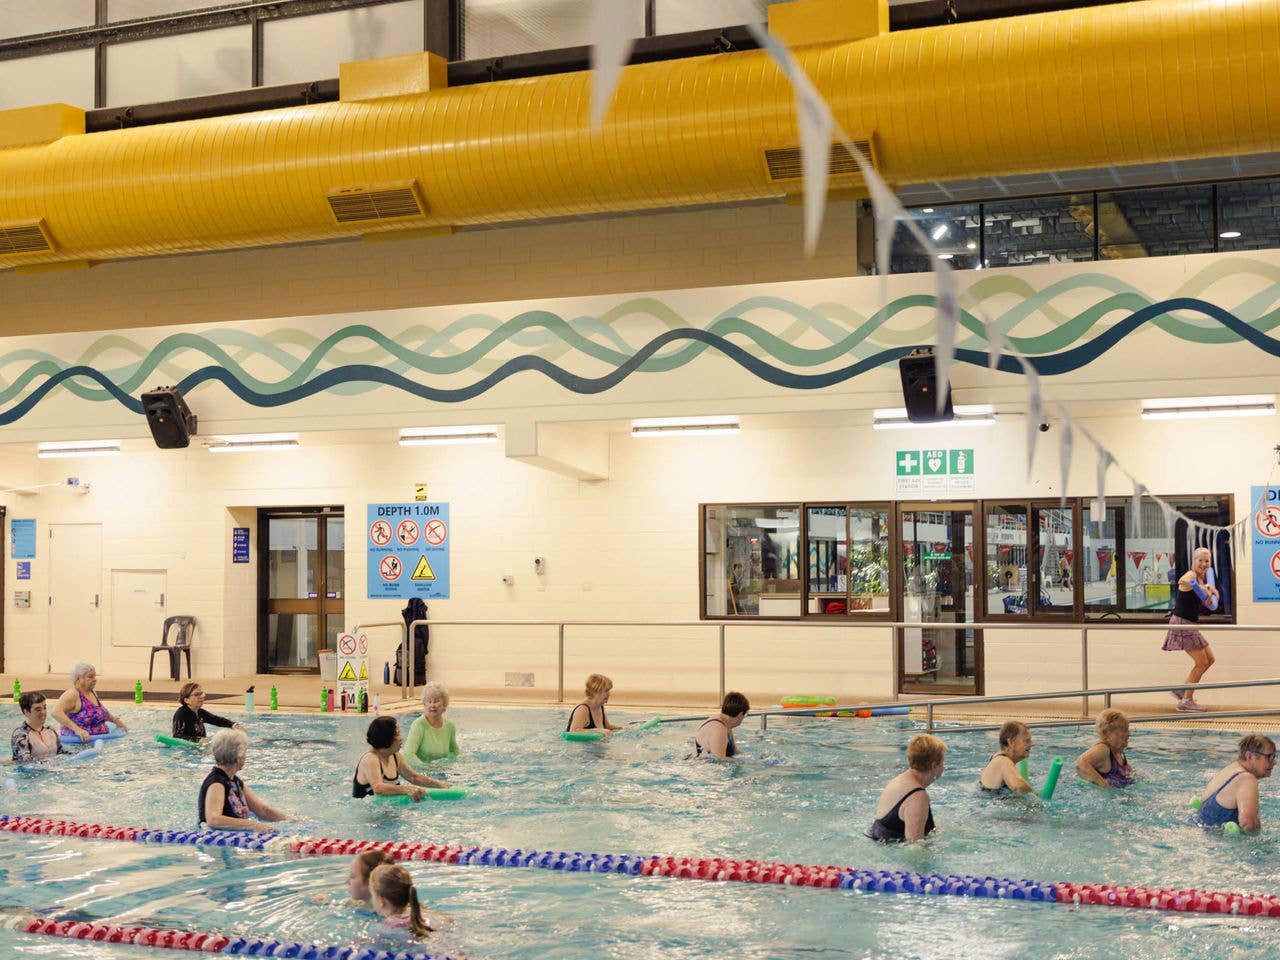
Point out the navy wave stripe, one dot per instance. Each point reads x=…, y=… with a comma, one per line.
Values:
x=23, y=407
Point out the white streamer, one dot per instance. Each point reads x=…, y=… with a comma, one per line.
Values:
x=610, y=49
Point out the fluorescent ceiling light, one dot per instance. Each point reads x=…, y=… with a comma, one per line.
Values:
x=970, y=415
x=927, y=210
x=77, y=448
x=940, y=231
x=1229, y=234
x=946, y=256
x=251, y=442
x=686, y=426
x=1187, y=408
x=427, y=436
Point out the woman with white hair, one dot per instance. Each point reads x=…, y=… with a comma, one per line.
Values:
x=225, y=802
x=431, y=736
x=1193, y=590
x=80, y=711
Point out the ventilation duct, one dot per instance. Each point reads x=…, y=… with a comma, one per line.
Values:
x=24, y=238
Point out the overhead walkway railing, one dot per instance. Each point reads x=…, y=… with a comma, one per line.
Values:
x=719, y=628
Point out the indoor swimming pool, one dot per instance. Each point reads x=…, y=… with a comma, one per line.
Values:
x=803, y=792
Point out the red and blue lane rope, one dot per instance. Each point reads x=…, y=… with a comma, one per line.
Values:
x=744, y=871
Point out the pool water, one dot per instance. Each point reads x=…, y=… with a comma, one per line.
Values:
x=803, y=792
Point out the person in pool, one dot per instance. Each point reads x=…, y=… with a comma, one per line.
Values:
x=395, y=899
x=1105, y=763
x=1001, y=772
x=80, y=711
x=715, y=737
x=191, y=716
x=372, y=776
x=35, y=739
x=589, y=714
x=1232, y=793
x=903, y=811
x=431, y=736
x=225, y=802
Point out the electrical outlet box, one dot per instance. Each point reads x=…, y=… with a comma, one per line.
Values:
x=539, y=565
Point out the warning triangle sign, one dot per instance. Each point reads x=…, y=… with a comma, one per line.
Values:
x=364, y=670
x=423, y=570
x=347, y=673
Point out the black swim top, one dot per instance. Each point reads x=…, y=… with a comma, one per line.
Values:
x=189, y=725
x=729, y=749
x=891, y=829
x=999, y=791
x=1186, y=605
x=361, y=790
x=234, y=803
x=591, y=721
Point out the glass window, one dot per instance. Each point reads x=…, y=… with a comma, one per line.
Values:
x=1006, y=532
x=118, y=10
x=752, y=561
x=1098, y=569
x=828, y=551
x=498, y=28
x=953, y=229
x=301, y=49
x=1249, y=215
x=1155, y=222
x=869, y=558
x=1056, y=553
x=681, y=16
x=172, y=68
x=1039, y=230
x=47, y=16
x=938, y=587
x=65, y=77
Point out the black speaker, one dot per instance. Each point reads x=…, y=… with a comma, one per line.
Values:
x=171, y=421
x=920, y=389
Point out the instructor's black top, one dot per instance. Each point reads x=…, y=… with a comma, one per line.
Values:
x=189, y=725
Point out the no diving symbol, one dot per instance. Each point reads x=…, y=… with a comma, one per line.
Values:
x=407, y=532
x=346, y=645
x=390, y=568
x=435, y=532
x=364, y=645
x=380, y=533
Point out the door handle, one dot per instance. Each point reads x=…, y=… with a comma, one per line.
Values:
x=95, y=600
x=160, y=603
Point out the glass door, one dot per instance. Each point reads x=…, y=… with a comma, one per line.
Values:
x=937, y=586
x=301, y=587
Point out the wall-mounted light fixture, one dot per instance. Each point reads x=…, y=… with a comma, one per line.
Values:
x=77, y=448
x=1190, y=408
x=425, y=436
x=971, y=415
x=253, y=442
x=684, y=426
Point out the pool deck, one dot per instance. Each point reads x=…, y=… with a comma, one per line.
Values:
x=300, y=694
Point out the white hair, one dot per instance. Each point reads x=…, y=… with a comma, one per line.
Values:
x=1199, y=550
x=433, y=689
x=80, y=670
x=229, y=747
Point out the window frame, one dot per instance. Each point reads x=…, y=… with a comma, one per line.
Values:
x=890, y=613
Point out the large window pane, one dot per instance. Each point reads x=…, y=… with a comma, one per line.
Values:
x=1155, y=222
x=953, y=230
x=137, y=9
x=1249, y=215
x=301, y=49
x=1054, y=527
x=291, y=558
x=1006, y=532
x=828, y=552
x=498, y=28
x=1039, y=230
x=1097, y=563
x=28, y=19
x=869, y=558
x=54, y=78
x=752, y=561
x=335, y=559
x=291, y=641
x=172, y=68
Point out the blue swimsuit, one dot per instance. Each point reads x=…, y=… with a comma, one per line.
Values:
x=1214, y=814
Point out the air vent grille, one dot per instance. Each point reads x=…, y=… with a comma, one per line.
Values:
x=28, y=237
x=784, y=164
x=371, y=204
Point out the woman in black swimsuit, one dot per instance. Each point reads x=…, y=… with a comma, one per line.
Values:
x=715, y=737
x=589, y=714
x=380, y=769
x=225, y=802
x=903, y=811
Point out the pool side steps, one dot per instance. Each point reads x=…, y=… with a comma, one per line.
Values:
x=205, y=942
x=691, y=868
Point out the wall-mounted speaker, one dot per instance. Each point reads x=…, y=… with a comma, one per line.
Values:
x=920, y=389
x=171, y=421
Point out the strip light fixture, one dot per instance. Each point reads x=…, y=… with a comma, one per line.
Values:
x=684, y=426
x=428, y=436
x=77, y=448
x=971, y=415
x=1190, y=408
x=253, y=442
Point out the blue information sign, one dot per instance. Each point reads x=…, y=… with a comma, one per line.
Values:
x=408, y=545
x=239, y=544
x=1265, y=534
x=22, y=539
x=24, y=569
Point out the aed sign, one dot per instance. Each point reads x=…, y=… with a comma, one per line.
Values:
x=408, y=551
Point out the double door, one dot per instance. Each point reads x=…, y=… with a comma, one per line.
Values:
x=301, y=586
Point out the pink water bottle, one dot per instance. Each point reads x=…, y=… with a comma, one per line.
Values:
x=328, y=700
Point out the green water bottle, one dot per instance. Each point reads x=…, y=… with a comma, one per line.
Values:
x=17, y=690
x=275, y=698
x=137, y=692
x=324, y=697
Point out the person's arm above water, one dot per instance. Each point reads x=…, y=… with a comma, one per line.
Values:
x=413, y=742
x=915, y=815
x=217, y=721
x=1013, y=779
x=214, y=798
x=1247, y=804
x=371, y=769
x=421, y=779
x=1087, y=764
x=261, y=809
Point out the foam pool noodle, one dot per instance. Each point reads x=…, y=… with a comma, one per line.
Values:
x=1022, y=770
x=1051, y=781
x=581, y=736
x=1231, y=828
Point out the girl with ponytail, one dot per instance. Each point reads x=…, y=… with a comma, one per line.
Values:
x=395, y=899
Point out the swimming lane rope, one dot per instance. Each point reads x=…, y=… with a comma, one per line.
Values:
x=744, y=871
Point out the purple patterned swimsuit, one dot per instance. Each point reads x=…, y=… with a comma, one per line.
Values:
x=91, y=718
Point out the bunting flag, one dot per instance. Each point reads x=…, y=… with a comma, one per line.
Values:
x=610, y=49
x=947, y=319
x=1135, y=506
x=1064, y=452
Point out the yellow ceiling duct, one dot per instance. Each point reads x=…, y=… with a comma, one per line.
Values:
x=1121, y=84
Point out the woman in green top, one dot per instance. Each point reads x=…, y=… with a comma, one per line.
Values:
x=431, y=736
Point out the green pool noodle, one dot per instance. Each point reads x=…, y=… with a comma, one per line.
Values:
x=581, y=736
x=1231, y=828
x=1195, y=803
x=650, y=723
x=176, y=742
x=438, y=793
x=1022, y=769
x=1051, y=781
x=447, y=793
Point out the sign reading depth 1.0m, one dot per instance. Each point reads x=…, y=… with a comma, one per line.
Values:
x=408, y=549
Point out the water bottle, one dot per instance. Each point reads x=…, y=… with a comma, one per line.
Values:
x=386, y=674
x=17, y=690
x=137, y=692
x=364, y=700
x=248, y=700
x=328, y=700
x=342, y=699
x=275, y=698
x=324, y=697
x=377, y=701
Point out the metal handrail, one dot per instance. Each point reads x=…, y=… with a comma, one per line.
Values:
x=1081, y=721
